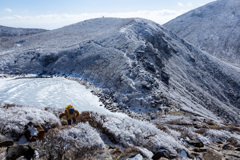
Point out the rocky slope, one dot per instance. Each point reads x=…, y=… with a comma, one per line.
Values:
x=36, y=132
x=213, y=28
x=137, y=64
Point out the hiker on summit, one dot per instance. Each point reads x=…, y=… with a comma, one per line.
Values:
x=70, y=113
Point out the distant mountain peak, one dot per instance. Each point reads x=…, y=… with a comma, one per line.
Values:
x=214, y=28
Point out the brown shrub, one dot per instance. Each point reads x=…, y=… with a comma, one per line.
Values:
x=201, y=131
x=11, y=105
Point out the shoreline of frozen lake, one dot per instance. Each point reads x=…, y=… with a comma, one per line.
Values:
x=49, y=92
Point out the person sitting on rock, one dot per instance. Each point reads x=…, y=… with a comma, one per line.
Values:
x=70, y=113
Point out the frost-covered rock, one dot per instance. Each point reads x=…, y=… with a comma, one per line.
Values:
x=17, y=151
x=77, y=140
x=213, y=28
x=14, y=119
x=130, y=132
x=137, y=157
x=221, y=135
x=82, y=136
x=34, y=131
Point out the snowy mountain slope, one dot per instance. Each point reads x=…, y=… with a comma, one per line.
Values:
x=136, y=62
x=9, y=37
x=213, y=28
x=10, y=32
x=71, y=35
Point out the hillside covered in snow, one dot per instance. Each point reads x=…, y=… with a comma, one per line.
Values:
x=213, y=28
x=136, y=63
x=9, y=36
x=11, y=32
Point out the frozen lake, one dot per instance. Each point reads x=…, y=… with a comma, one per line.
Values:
x=49, y=92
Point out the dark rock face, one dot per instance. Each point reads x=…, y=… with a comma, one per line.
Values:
x=164, y=154
x=6, y=143
x=196, y=143
x=17, y=151
x=165, y=77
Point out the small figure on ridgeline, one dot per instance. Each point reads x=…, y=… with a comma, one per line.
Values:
x=70, y=113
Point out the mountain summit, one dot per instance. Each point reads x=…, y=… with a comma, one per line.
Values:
x=213, y=28
x=140, y=66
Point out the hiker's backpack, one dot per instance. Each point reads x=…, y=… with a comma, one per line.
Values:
x=70, y=109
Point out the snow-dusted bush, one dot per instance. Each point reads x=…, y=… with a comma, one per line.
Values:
x=175, y=134
x=221, y=134
x=79, y=140
x=132, y=132
x=203, y=139
x=14, y=118
x=82, y=136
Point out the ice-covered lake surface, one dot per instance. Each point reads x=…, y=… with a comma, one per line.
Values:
x=49, y=92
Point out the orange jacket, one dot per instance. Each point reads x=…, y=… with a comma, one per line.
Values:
x=68, y=115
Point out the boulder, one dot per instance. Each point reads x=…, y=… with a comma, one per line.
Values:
x=164, y=154
x=195, y=143
x=128, y=155
x=17, y=151
x=131, y=153
x=200, y=150
x=34, y=131
x=211, y=155
x=6, y=143
x=228, y=147
x=137, y=157
x=64, y=122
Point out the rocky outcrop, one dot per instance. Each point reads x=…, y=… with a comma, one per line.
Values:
x=5, y=142
x=17, y=151
x=94, y=138
x=34, y=131
x=163, y=154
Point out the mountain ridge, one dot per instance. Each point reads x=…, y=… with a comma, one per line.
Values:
x=141, y=65
x=11, y=31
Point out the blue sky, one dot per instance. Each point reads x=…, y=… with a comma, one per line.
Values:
x=51, y=14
